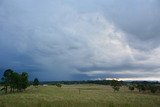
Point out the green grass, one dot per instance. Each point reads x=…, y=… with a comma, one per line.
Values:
x=79, y=96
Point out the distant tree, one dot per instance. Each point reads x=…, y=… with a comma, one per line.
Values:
x=116, y=84
x=131, y=87
x=59, y=85
x=141, y=87
x=153, y=88
x=158, y=88
x=36, y=82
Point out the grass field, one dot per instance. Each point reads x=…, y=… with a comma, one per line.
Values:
x=79, y=96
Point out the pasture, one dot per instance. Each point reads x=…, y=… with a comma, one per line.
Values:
x=79, y=96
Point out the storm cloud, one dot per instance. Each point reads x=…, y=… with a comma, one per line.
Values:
x=79, y=40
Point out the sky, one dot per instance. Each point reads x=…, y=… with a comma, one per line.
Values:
x=81, y=39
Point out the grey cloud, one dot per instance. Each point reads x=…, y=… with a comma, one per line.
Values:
x=140, y=19
x=118, y=68
x=51, y=38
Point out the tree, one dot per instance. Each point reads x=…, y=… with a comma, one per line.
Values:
x=153, y=88
x=59, y=85
x=14, y=81
x=36, y=82
x=7, y=79
x=116, y=85
x=141, y=87
x=131, y=87
x=23, y=81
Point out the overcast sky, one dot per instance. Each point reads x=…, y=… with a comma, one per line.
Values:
x=81, y=39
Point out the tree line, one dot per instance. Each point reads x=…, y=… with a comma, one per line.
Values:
x=144, y=86
x=141, y=86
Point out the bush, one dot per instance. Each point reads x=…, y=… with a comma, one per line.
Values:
x=153, y=89
x=116, y=88
x=59, y=85
x=116, y=84
x=141, y=87
x=36, y=82
x=131, y=87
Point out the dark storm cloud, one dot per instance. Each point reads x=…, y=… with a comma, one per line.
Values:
x=122, y=67
x=76, y=40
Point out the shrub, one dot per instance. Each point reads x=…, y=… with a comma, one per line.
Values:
x=153, y=89
x=59, y=85
x=116, y=85
x=36, y=82
x=141, y=87
x=131, y=87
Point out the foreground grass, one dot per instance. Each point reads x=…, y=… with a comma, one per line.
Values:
x=79, y=96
